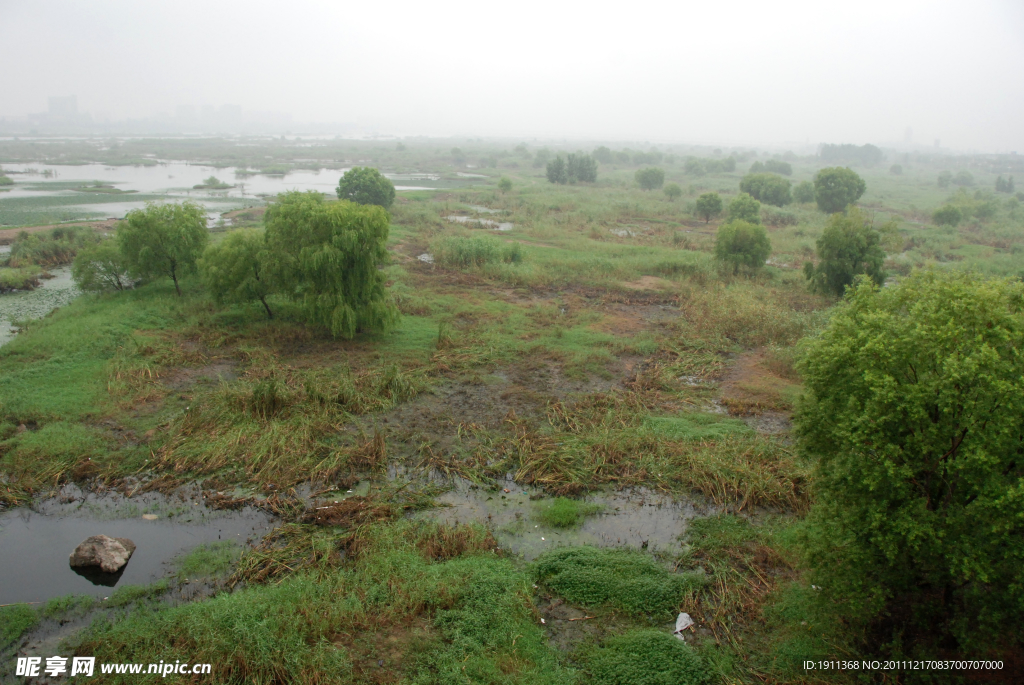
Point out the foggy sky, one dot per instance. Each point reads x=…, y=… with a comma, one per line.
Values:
x=700, y=72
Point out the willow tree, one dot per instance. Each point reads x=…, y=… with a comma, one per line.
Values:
x=163, y=240
x=327, y=256
x=235, y=269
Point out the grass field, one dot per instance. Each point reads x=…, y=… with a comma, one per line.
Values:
x=596, y=345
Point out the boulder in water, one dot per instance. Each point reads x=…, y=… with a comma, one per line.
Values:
x=108, y=554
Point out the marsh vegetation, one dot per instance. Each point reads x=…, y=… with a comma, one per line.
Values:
x=613, y=339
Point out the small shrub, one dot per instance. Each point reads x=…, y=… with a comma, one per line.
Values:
x=803, y=192
x=625, y=579
x=742, y=244
x=644, y=657
x=564, y=512
x=651, y=178
x=947, y=215
x=776, y=217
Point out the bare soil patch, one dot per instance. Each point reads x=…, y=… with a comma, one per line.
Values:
x=750, y=389
x=647, y=283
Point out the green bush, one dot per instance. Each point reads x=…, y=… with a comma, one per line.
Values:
x=914, y=415
x=643, y=657
x=742, y=244
x=55, y=248
x=947, y=215
x=624, y=579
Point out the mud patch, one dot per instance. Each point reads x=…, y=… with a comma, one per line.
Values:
x=181, y=378
x=647, y=283
x=750, y=389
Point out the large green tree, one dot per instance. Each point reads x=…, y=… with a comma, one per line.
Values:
x=848, y=247
x=163, y=240
x=835, y=188
x=742, y=244
x=708, y=206
x=235, y=269
x=327, y=255
x=770, y=189
x=366, y=186
x=914, y=417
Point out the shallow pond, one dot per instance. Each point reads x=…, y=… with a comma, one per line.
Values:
x=34, y=304
x=35, y=543
x=481, y=223
x=637, y=518
x=174, y=180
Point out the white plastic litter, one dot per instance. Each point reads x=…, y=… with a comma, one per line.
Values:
x=683, y=621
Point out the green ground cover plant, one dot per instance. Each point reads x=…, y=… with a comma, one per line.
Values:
x=563, y=512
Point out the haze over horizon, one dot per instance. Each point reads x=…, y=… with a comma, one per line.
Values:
x=734, y=73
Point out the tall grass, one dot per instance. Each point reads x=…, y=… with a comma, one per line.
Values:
x=474, y=251
x=430, y=616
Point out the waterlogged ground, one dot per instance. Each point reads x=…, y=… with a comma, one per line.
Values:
x=65, y=192
x=34, y=304
x=638, y=518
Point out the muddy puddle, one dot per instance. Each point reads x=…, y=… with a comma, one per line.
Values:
x=637, y=518
x=474, y=222
x=34, y=304
x=35, y=542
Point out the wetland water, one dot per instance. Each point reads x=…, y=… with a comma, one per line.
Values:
x=34, y=304
x=171, y=181
x=35, y=543
x=165, y=182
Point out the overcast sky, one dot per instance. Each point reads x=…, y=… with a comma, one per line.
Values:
x=703, y=72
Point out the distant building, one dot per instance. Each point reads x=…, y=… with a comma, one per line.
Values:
x=63, y=107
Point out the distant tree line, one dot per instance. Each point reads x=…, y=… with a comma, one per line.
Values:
x=772, y=166
x=864, y=155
